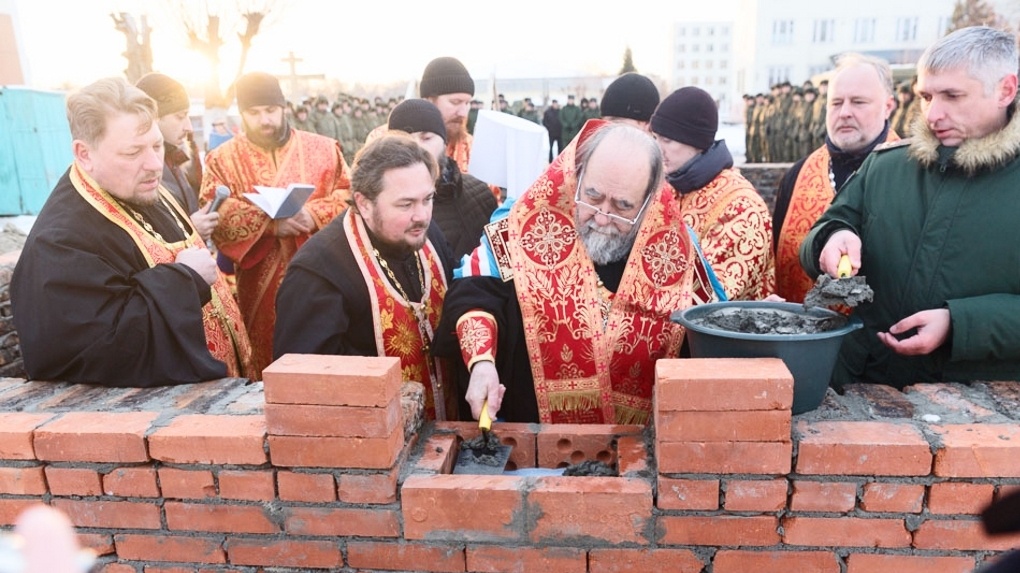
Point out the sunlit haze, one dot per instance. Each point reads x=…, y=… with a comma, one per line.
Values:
x=72, y=42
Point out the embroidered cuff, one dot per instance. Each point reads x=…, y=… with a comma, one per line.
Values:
x=477, y=333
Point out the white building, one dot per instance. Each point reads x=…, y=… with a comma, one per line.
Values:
x=770, y=41
x=703, y=57
x=794, y=40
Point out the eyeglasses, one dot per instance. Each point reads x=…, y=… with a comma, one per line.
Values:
x=610, y=216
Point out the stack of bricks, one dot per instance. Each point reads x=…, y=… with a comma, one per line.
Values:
x=11, y=363
x=325, y=412
x=717, y=427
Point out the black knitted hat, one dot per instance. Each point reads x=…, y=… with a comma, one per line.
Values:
x=632, y=96
x=446, y=76
x=414, y=115
x=688, y=115
x=258, y=88
x=169, y=93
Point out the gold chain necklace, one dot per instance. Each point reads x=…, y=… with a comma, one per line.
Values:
x=420, y=313
x=148, y=227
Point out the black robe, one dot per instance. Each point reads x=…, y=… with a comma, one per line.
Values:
x=462, y=208
x=323, y=305
x=88, y=308
x=513, y=363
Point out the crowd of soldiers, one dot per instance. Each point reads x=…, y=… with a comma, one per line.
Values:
x=349, y=119
x=789, y=122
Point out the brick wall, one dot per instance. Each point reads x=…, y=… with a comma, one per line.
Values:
x=11, y=363
x=314, y=470
x=765, y=177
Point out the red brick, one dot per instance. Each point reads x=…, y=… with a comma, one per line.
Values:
x=978, y=450
x=296, y=486
x=438, y=455
x=73, y=481
x=247, y=485
x=724, y=457
x=95, y=437
x=220, y=518
x=23, y=481
x=16, y=434
x=873, y=563
x=332, y=380
x=643, y=561
x=405, y=557
x=960, y=535
x=524, y=441
x=845, y=532
x=110, y=514
x=688, y=494
x=209, y=439
x=462, y=507
x=305, y=452
x=521, y=437
x=285, y=553
x=892, y=497
x=169, y=548
x=374, y=488
x=736, y=561
x=492, y=559
x=342, y=522
x=823, y=496
x=560, y=445
x=101, y=543
x=589, y=509
x=723, y=384
x=862, y=448
x=959, y=498
x=131, y=482
x=755, y=495
x=10, y=509
x=703, y=426
x=337, y=421
x=1005, y=490
x=722, y=530
x=632, y=456
x=186, y=484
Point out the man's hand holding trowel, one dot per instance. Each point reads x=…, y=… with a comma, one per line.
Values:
x=932, y=326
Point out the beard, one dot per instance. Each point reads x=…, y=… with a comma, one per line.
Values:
x=455, y=127
x=402, y=246
x=606, y=244
x=267, y=141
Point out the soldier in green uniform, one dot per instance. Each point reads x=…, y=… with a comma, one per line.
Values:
x=572, y=119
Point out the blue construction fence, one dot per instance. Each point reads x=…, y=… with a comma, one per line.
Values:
x=35, y=147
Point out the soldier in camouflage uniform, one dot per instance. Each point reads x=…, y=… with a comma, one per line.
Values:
x=301, y=120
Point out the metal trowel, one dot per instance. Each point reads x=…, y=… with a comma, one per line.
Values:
x=844, y=290
x=484, y=455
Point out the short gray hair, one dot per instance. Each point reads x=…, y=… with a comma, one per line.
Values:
x=89, y=108
x=640, y=140
x=985, y=53
x=881, y=67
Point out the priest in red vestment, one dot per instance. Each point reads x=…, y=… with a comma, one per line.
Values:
x=563, y=311
x=269, y=153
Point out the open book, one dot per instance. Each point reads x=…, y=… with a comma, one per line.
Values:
x=281, y=203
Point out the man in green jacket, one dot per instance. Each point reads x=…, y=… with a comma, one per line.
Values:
x=931, y=222
x=572, y=119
